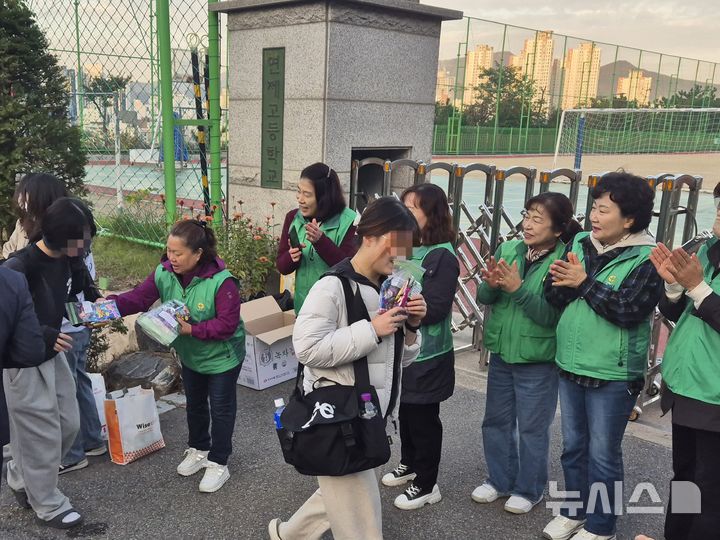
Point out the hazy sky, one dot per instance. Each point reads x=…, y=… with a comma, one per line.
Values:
x=684, y=28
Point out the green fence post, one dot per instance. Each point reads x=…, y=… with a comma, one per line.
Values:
x=499, y=89
x=151, y=51
x=166, y=104
x=215, y=113
x=79, y=98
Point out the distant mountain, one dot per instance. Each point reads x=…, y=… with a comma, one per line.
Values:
x=622, y=68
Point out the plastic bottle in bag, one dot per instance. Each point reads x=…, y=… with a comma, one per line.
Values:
x=279, y=408
x=368, y=410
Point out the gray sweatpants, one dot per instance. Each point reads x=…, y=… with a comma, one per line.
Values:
x=44, y=421
x=349, y=505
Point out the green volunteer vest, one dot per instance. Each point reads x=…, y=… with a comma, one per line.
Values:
x=509, y=331
x=312, y=266
x=209, y=357
x=690, y=364
x=588, y=344
x=437, y=338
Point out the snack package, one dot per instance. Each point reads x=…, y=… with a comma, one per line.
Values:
x=161, y=323
x=403, y=283
x=92, y=314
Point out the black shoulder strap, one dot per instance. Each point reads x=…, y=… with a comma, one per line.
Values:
x=357, y=311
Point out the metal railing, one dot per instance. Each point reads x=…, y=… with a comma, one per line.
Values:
x=482, y=228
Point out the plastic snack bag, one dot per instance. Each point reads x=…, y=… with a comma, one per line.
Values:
x=402, y=284
x=92, y=314
x=161, y=323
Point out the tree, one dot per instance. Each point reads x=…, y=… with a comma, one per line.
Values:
x=698, y=96
x=100, y=91
x=516, y=102
x=35, y=133
x=614, y=102
x=443, y=111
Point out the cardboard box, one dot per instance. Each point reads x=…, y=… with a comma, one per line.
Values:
x=269, y=357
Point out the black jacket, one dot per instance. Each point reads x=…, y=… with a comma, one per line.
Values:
x=21, y=340
x=433, y=381
x=52, y=282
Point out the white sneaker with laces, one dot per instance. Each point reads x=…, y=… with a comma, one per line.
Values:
x=520, y=505
x=562, y=528
x=486, y=494
x=398, y=476
x=215, y=476
x=585, y=535
x=414, y=498
x=193, y=462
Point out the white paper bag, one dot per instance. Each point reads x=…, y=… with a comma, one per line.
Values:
x=98, y=390
x=133, y=425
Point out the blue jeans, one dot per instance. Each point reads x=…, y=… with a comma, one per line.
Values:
x=211, y=396
x=521, y=403
x=90, y=435
x=593, y=425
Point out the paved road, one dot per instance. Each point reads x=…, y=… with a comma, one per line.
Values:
x=147, y=499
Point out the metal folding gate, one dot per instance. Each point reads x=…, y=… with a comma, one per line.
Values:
x=489, y=223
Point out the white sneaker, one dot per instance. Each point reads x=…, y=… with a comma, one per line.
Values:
x=562, y=528
x=99, y=451
x=486, y=494
x=193, y=462
x=274, y=529
x=585, y=535
x=398, y=476
x=214, y=478
x=414, y=498
x=520, y=505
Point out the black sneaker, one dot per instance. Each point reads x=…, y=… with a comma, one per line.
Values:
x=21, y=498
x=73, y=467
x=398, y=476
x=415, y=498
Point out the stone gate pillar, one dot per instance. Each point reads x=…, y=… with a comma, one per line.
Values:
x=326, y=80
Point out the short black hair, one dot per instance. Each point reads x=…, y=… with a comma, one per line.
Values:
x=384, y=215
x=716, y=191
x=38, y=191
x=66, y=219
x=631, y=193
x=328, y=191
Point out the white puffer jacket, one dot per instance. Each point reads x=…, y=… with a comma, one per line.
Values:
x=327, y=346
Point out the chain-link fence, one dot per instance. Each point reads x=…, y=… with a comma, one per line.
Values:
x=110, y=53
x=501, y=89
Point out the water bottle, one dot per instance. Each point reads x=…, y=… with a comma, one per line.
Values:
x=279, y=408
x=367, y=410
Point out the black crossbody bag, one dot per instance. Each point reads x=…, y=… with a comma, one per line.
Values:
x=322, y=432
